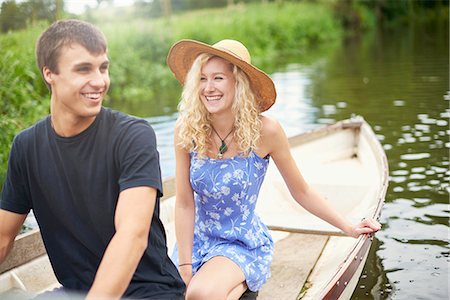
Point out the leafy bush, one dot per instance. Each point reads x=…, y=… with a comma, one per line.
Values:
x=23, y=96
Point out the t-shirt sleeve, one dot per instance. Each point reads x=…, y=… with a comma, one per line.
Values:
x=15, y=192
x=138, y=158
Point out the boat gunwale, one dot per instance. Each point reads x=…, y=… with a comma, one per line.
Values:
x=333, y=289
x=317, y=133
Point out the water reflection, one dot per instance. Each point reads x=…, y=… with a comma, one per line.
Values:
x=294, y=107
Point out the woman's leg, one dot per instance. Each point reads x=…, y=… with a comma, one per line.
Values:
x=219, y=278
x=237, y=292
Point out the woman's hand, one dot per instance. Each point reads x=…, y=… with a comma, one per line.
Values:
x=186, y=273
x=364, y=227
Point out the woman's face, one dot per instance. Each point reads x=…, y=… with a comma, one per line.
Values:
x=217, y=85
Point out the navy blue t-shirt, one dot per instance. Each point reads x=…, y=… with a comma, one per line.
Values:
x=72, y=185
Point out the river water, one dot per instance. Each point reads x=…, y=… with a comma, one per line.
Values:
x=398, y=80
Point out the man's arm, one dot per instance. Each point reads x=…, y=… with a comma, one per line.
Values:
x=10, y=224
x=133, y=217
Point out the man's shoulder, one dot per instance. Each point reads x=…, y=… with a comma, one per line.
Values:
x=120, y=119
x=35, y=131
x=120, y=123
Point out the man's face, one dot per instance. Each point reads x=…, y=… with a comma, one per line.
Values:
x=78, y=89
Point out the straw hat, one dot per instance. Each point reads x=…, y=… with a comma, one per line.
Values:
x=183, y=53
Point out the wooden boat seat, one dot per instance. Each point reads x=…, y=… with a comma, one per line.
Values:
x=28, y=280
x=294, y=258
x=26, y=271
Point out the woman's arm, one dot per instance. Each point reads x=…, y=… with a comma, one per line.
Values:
x=184, y=211
x=275, y=141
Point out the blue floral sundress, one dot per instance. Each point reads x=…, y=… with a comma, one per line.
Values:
x=225, y=193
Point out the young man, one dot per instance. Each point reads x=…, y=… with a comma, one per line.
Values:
x=91, y=176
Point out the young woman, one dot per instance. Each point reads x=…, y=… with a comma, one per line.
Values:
x=223, y=146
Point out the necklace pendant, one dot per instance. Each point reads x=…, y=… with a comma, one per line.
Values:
x=223, y=148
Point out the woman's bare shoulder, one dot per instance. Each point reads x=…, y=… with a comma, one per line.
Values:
x=270, y=126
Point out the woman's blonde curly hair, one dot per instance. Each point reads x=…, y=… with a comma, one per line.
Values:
x=194, y=120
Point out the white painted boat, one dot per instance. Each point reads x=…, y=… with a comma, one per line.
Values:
x=313, y=260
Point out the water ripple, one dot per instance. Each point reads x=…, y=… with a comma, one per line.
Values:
x=415, y=156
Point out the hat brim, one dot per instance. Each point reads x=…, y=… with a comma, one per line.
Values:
x=183, y=53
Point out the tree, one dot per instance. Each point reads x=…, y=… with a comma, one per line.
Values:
x=11, y=17
x=167, y=8
x=59, y=9
x=35, y=10
x=15, y=16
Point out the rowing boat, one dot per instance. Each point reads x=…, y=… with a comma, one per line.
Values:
x=313, y=260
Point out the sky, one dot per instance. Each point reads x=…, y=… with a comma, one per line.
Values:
x=78, y=6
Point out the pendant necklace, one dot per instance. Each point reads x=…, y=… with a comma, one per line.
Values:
x=223, y=147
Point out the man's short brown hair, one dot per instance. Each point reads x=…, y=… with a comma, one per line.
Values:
x=64, y=33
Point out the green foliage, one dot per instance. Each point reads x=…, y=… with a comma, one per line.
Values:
x=363, y=14
x=138, y=71
x=264, y=28
x=23, y=96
